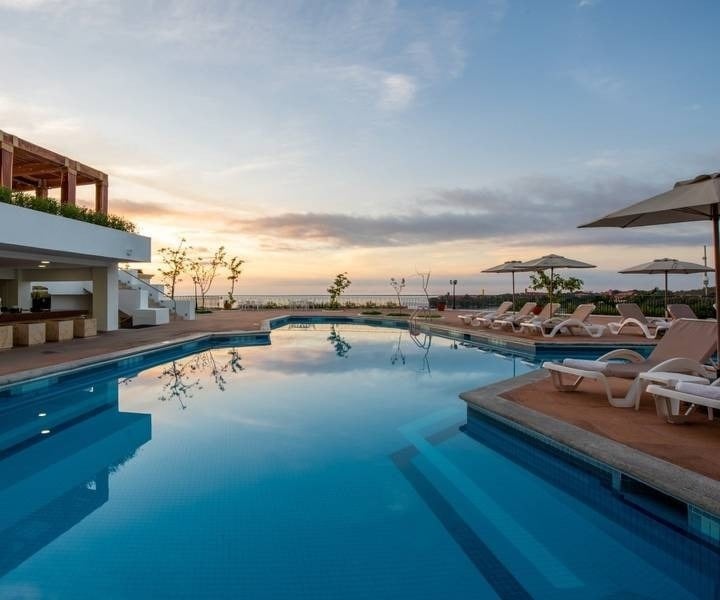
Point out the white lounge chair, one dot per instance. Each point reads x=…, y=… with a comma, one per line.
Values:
x=488, y=320
x=576, y=322
x=681, y=311
x=684, y=349
x=668, y=399
x=633, y=317
x=516, y=320
x=503, y=308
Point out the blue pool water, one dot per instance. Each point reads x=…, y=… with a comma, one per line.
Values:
x=336, y=463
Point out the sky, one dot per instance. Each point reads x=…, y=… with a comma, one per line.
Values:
x=381, y=138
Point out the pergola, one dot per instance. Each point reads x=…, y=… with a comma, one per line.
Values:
x=25, y=166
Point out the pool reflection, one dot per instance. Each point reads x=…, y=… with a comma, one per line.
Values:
x=56, y=455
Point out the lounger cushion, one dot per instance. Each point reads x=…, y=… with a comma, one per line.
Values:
x=698, y=389
x=611, y=369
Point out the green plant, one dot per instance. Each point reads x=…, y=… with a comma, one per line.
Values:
x=175, y=263
x=337, y=287
x=234, y=266
x=397, y=286
x=541, y=281
x=70, y=211
x=371, y=312
x=204, y=270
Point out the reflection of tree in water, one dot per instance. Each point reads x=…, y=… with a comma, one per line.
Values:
x=398, y=354
x=185, y=377
x=341, y=345
x=424, y=343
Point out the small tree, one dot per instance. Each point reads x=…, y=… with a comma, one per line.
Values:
x=175, y=263
x=204, y=271
x=397, y=286
x=425, y=279
x=234, y=266
x=338, y=286
x=541, y=281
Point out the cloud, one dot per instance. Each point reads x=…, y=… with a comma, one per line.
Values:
x=531, y=211
x=398, y=91
x=587, y=3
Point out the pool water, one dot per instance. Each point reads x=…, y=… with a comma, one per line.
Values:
x=336, y=463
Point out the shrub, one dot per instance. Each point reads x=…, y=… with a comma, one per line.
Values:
x=70, y=211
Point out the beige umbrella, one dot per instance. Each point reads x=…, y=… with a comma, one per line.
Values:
x=552, y=262
x=512, y=267
x=693, y=200
x=665, y=266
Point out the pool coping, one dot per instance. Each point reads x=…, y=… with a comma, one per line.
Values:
x=698, y=491
x=98, y=360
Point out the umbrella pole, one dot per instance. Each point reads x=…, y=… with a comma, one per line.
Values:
x=716, y=251
x=552, y=283
x=665, y=312
x=513, y=296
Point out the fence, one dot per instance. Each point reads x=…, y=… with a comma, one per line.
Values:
x=651, y=304
x=301, y=301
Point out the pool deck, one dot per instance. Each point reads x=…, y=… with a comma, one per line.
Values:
x=682, y=460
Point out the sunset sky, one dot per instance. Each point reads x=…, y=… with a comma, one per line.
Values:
x=378, y=137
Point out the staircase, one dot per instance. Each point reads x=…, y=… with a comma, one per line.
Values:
x=145, y=303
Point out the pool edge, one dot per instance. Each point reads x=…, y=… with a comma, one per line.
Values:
x=696, y=490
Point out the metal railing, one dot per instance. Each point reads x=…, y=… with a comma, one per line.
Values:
x=651, y=304
x=308, y=301
x=150, y=285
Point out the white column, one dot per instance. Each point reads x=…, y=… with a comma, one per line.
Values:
x=18, y=292
x=105, y=297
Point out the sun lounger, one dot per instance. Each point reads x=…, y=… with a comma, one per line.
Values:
x=503, y=308
x=487, y=320
x=684, y=349
x=633, y=317
x=668, y=399
x=681, y=311
x=515, y=321
x=577, y=322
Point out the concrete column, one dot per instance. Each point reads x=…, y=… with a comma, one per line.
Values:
x=105, y=297
x=18, y=292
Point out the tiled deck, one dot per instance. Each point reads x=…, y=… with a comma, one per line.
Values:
x=694, y=446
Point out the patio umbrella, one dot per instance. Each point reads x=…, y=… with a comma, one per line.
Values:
x=512, y=267
x=552, y=262
x=693, y=200
x=665, y=266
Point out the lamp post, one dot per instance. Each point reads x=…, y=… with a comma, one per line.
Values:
x=453, y=283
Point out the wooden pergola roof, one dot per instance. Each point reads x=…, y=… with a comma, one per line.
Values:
x=25, y=166
x=35, y=166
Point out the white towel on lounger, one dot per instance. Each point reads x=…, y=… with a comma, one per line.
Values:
x=698, y=389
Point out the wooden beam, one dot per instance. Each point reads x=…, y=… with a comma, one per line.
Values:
x=68, y=187
x=34, y=169
x=6, y=165
x=101, y=198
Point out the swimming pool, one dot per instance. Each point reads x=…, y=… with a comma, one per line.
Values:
x=337, y=462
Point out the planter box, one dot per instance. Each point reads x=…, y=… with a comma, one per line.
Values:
x=83, y=328
x=59, y=331
x=6, y=337
x=28, y=334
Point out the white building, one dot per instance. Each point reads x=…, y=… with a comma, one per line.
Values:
x=41, y=248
